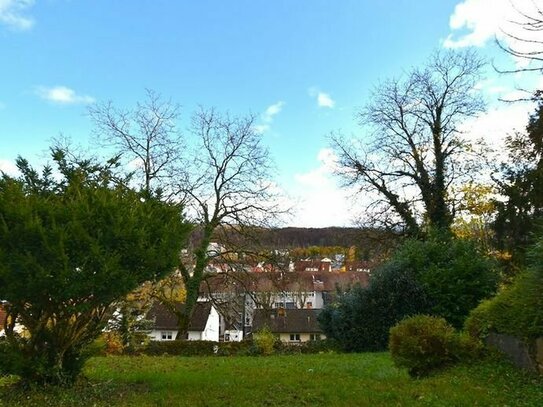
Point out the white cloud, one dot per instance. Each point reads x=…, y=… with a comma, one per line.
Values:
x=323, y=99
x=272, y=110
x=498, y=122
x=62, y=95
x=8, y=167
x=268, y=116
x=321, y=202
x=12, y=14
x=476, y=22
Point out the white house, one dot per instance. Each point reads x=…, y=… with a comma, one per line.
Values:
x=204, y=324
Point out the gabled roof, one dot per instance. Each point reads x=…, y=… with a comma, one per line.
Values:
x=287, y=321
x=165, y=319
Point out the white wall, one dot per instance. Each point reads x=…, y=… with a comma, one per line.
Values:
x=235, y=336
x=211, y=331
x=156, y=334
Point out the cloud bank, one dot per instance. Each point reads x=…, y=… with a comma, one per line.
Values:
x=12, y=14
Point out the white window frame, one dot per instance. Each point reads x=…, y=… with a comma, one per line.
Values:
x=166, y=335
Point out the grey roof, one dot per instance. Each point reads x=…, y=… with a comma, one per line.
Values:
x=165, y=319
x=287, y=320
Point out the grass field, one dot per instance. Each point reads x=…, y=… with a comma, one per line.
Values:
x=302, y=380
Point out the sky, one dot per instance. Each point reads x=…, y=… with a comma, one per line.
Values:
x=303, y=67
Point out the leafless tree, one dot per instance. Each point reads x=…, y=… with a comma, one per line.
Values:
x=525, y=45
x=145, y=136
x=223, y=177
x=523, y=40
x=228, y=192
x=413, y=150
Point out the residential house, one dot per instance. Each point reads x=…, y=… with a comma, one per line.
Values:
x=204, y=324
x=324, y=265
x=290, y=325
x=239, y=295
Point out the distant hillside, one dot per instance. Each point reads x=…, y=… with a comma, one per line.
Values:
x=371, y=241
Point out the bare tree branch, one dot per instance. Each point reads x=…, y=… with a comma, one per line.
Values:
x=413, y=142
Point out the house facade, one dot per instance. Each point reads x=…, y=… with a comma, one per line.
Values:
x=204, y=324
x=290, y=325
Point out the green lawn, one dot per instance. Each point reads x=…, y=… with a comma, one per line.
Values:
x=302, y=380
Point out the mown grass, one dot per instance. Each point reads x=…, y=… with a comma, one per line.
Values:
x=302, y=380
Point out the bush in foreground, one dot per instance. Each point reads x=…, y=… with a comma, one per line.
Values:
x=71, y=245
x=424, y=343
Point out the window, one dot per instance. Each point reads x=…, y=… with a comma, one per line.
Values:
x=290, y=305
x=166, y=335
x=295, y=337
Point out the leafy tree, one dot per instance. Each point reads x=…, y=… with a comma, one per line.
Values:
x=475, y=215
x=522, y=186
x=517, y=309
x=413, y=151
x=72, y=243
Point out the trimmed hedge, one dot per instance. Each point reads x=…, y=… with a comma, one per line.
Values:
x=244, y=348
x=195, y=348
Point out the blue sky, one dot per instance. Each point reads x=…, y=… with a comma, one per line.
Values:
x=303, y=67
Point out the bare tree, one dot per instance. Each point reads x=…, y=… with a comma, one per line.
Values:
x=228, y=192
x=223, y=178
x=145, y=136
x=413, y=149
x=524, y=40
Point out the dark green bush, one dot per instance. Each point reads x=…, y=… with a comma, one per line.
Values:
x=454, y=275
x=441, y=276
x=424, y=343
x=361, y=319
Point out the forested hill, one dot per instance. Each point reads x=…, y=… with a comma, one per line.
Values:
x=291, y=237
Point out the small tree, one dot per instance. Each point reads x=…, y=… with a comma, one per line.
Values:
x=70, y=247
